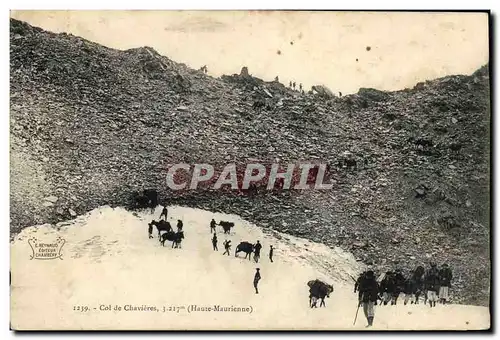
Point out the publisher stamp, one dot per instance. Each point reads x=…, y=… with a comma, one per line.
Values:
x=42, y=250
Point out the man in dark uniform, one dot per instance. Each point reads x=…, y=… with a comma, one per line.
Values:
x=358, y=281
x=387, y=287
x=212, y=226
x=399, y=285
x=164, y=212
x=150, y=230
x=445, y=277
x=256, y=280
x=256, y=251
x=179, y=225
x=432, y=284
x=271, y=253
x=227, y=246
x=214, y=242
x=368, y=294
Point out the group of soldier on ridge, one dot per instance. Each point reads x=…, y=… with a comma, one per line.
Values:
x=246, y=247
x=256, y=248
x=433, y=283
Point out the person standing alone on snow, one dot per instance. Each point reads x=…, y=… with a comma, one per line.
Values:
x=368, y=294
x=256, y=280
x=214, y=242
x=271, y=253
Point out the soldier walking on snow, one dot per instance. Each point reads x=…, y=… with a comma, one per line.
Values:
x=212, y=226
x=445, y=277
x=256, y=280
x=150, y=230
x=164, y=212
x=227, y=246
x=399, y=281
x=271, y=253
x=214, y=242
x=368, y=294
x=432, y=284
x=256, y=251
x=387, y=287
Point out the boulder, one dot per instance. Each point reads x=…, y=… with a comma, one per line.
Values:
x=323, y=91
x=372, y=94
x=244, y=72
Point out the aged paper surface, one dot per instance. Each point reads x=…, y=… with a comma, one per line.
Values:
x=380, y=121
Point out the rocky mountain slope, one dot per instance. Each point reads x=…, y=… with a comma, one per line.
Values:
x=90, y=124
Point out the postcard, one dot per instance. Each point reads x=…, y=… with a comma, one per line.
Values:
x=250, y=170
